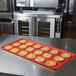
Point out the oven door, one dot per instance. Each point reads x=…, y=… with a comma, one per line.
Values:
x=6, y=6
x=45, y=27
x=24, y=26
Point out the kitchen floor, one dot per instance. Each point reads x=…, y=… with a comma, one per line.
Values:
x=69, y=29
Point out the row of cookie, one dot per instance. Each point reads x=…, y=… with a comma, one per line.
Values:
x=36, y=46
x=38, y=52
x=23, y=46
x=8, y=47
x=27, y=43
x=16, y=44
x=30, y=49
x=47, y=55
x=24, y=41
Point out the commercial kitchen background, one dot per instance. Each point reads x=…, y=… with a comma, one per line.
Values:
x=7, y=22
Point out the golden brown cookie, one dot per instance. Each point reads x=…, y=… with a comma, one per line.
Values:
x=22, y=41
x=47, y=55
x=45, y=49
x=37, y=46
x=40, y=59
x=30, y=49
x=22, y=46
x=29, y=43
x=8, y=47
x=15, y=50
x=66, y=55
x=31, y=56
x=23, y=53
x=38, y=52
x=54, y=51
x=58, y=58
x=16, y=44
x=51, y=63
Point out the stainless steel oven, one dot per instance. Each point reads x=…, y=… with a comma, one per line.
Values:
x=33, y=23
x=42, y=23
x=45, y=27
x=49, y=27
x=23, y=25
x=41, y=3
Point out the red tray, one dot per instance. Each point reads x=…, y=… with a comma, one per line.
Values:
x=59, y=64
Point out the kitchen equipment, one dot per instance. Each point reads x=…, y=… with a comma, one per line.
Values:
x=40, y=3
x=38, y=23
x=6, y=8
x=45, y=3
x=23, y=24
x=45, y=22
x=49, y=26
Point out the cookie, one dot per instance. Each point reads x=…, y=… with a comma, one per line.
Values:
x=66, y=55
x=40, y=59
x=22, y=46
x=31, y=56
x=54, y=51
x=8, y=47
x=22, y=41
x=15, y=50
x=58, y=58
x=23, y=53
x=29, y=43
x=47, y=55
x=16, y=44
x=45, y=49
x=30, y=49
x=37, y=46
x=38, y=52
x=51, y=63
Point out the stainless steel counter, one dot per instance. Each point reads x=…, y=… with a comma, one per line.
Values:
x=12, y=64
